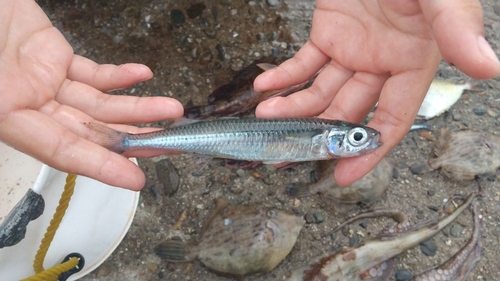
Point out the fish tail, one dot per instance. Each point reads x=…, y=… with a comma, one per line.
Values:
x=107, y=137
x=173, y=250
x=297, y=190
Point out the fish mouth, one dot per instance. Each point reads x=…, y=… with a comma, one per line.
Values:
x=375, y=141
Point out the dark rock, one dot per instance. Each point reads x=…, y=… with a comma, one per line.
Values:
x=275, y=51
x=420, y=167
x=195, y=10
x=318, y=218
x=403, y=275
x=177, y=17
x=479, y=111
x=428, y=247
x=272, y=36
x=430, y=192
x=309, y=218
x=168, y=176
x=259, y=36
x=221, y=51
x=395, y=173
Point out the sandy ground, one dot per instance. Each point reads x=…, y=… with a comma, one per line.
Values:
x=188, y=59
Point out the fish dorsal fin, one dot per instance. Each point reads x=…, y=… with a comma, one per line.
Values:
x=220, y=204
x=442, y=141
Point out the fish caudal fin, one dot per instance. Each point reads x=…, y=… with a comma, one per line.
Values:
x=173, y=250
x=107, y=137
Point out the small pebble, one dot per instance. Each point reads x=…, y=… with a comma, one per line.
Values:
x=195, y=10
x=491, y=113
x=354, y=240
x=426, y=135
x=457, y=116
x=431, y=192
x=273, y=3
x=275, y=51
x=479, y=111
x=240, y=173
x=428, y=247
x=456, y=230
x=177, y=17
x=420, y=167
x=309, y=218
x=395, y=173
x=272, y=36
x=318, y=218
x=256, y=175
x=221, y=51
x=403, y=275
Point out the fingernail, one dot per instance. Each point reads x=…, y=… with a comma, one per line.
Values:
x=487, y=50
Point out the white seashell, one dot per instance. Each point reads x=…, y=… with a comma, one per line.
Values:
x=442, y=94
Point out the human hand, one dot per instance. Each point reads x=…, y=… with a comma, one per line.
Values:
x=386, y=51
x=47, y=93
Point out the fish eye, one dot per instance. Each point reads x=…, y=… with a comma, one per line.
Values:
x=272, y=213
x=357, y=136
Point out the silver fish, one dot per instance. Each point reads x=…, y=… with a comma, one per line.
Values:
x=267, y=140
x=357, y=263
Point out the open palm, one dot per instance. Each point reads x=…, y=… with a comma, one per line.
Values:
x=47, y=94
x=383, y=51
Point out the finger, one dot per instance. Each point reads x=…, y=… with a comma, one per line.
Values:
x=356, y=98
x=308, y=102
x=106, y=77
x=459, y=33
x=308, y=60
x=115, y=108
x=41, y=137
x=398, y=105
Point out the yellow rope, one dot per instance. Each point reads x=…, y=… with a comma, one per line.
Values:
x=53, y=273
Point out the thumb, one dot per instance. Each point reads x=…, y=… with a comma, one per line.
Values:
x=459, y=33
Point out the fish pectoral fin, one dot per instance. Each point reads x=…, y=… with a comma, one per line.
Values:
x=266, y=66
